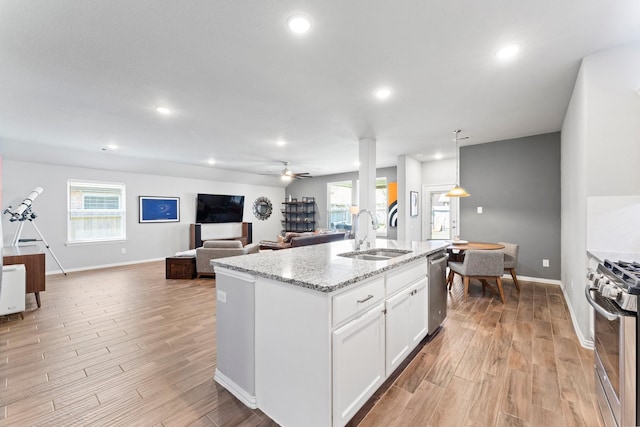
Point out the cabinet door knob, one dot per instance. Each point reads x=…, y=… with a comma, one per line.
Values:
x=360, y=301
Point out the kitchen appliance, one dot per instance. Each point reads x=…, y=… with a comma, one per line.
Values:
x=437, y=290
x=613, y=289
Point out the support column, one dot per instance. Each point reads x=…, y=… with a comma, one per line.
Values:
x=367, y=187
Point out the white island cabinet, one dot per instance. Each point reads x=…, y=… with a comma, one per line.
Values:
x=317, y=341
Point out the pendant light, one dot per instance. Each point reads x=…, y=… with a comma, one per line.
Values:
x=457, y=191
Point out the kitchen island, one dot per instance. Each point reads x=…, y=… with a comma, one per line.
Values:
x=308, y=335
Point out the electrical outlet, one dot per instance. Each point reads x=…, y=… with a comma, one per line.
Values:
x=124, y=251
x=545, y=263
x=222, y=296
x=479, y=209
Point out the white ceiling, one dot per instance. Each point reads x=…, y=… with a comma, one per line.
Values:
x=77, y=75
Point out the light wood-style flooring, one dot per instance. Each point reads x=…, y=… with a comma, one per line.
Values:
x=124, y=346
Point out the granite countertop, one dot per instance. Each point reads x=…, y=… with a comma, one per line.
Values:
x=319, y=267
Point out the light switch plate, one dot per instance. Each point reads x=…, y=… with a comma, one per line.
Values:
x=479, y=209
x=545, y=263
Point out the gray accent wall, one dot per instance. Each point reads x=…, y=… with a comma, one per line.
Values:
x=517, y=184
x=317, y=187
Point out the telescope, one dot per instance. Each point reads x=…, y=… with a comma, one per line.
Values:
x=22, y=211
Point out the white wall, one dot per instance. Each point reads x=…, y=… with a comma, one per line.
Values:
x=409, y=179
x=144, y=241
x=439, y=172
x=600, y=152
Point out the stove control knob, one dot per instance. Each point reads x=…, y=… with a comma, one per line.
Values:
x=602, y=282
x=614, y=292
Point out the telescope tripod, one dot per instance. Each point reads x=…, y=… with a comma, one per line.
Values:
x=17, y=239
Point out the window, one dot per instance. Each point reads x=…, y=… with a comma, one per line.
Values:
x=340, y=202
x=95, y=211
x=339, y=205
x=381, y=206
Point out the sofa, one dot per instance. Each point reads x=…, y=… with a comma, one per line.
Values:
x=213, y=249
x=292, y=240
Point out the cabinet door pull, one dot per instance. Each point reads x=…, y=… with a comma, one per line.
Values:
x=360, y=301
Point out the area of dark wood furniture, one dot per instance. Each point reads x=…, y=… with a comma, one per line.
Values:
x=180, y=268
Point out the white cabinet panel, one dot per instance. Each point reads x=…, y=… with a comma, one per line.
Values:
x=418, y=316
x=357, y=300
x=406, y=323
x=398, y=315
x=358, y=363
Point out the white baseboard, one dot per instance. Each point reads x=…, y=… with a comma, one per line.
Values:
x=534, y=279
x=236, y=390
x=586, y=343
x=97, y=267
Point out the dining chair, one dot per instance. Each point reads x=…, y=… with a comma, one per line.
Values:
x=511, y=260
x=479, y=264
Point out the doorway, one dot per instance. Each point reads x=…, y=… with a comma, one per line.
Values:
x=440, y=221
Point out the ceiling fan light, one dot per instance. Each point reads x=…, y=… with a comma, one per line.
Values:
x=286, y=177
x=457, y=191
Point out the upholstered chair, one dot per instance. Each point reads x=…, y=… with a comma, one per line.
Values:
x=511, y=260
x=479, y=264
x=212, y=249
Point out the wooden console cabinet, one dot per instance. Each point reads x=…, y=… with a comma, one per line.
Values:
x=180, y=268
x=34, y=263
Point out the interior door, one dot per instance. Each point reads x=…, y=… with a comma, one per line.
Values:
x=440, y=221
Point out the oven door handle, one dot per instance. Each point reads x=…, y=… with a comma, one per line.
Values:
x=609, y=315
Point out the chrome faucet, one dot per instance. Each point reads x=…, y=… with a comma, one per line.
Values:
x=374, y=223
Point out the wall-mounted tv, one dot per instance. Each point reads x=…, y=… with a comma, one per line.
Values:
x=214, y=208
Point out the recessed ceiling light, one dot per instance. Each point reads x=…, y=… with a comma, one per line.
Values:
x=382, y=93
x=281, y=143
x=163, y=110
x=356, y=164
x=508, y=52
x=211, y=161
x=299, y=24
x=438, y=156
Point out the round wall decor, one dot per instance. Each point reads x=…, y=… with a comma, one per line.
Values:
x=262, y=208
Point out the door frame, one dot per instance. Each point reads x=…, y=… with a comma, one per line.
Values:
x=454, y=213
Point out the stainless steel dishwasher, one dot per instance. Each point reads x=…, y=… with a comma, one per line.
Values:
x=437, y=290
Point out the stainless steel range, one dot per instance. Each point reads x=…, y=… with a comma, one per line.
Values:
x=612, y=290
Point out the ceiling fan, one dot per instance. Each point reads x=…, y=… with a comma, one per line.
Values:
x=289, y=174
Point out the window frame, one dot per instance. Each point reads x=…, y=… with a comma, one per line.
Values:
x=121, y=211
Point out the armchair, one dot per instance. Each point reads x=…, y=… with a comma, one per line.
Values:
x=479, y=264
x=511, y=260
x=212, y=249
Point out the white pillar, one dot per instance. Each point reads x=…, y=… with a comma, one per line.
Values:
x=367, y=187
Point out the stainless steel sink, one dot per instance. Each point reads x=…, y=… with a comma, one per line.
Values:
x=379, y=254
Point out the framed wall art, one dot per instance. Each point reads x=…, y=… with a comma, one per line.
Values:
x=159, y=209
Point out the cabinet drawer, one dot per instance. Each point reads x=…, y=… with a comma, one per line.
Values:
x=357, y=300
x=399, y=279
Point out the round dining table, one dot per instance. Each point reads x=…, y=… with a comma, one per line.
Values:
x=474, y=245
x=456, y=250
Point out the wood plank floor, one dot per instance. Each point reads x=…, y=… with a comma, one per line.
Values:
x=124, y=346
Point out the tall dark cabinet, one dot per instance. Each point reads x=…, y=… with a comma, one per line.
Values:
x=299, y=216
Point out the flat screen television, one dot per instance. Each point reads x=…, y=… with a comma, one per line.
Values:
x=215, y=208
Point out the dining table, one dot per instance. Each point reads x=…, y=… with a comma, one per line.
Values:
x=464, y=246
x=456, y=249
